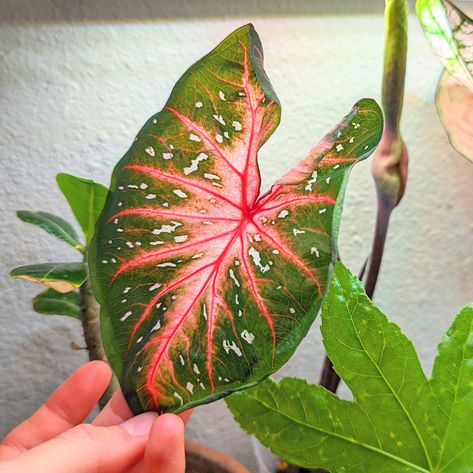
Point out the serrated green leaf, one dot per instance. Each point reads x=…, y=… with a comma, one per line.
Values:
x=52, y=224
x=51, y=302
x=398, y=421
x=62, y=277
x=455, y=108
x=86, y=199
x=449, y=32
x=205, y=285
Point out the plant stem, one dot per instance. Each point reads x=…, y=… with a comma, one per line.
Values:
x=90, y=316
x=329, y=379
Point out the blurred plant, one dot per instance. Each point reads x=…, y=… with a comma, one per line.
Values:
x=449, y=32
x=69, y=291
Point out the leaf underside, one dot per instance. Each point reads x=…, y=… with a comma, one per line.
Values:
x=62, y=277
x=205, y=286
x=398, y=421
x=51, y=302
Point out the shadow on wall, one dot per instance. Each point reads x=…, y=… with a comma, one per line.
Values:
x=35, y=11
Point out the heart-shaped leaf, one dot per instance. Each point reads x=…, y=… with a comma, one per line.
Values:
x=86, y=199
x=62, y=277
x=398, y=421
x=204, y=286
x=51, y=302
x=450, y=34
x=52, y=224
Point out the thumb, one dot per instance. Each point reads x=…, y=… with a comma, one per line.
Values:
x=87, y=448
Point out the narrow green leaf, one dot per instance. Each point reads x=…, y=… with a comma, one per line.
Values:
x=398, y=421
x=63, y=277
x=51, y=302
x=206, y=285
x=86, y=199
x=52, y=224
x=455, y=108
x=449, y=32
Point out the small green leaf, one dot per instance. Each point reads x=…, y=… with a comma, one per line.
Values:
x=455, y=108
x=86, y=199
x=51, y=302
x=52, y=224
x=449, y=32
x=63, y=277
x=398, y=421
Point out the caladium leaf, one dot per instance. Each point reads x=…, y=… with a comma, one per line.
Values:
x=51, y=302
x=62, y=277
x=455, y=108
x=205, y=287
x=398, y=421
x=54, y=225
x=86, y=199
x=450, y=34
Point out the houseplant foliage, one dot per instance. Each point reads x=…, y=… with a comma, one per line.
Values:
x=205, y=286
x=450, y=34
x=398, y=420
x=68, y=284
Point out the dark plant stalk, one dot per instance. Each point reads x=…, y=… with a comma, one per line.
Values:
x=90, y=316
x=389, y=166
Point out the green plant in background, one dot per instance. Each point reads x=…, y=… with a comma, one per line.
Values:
x=69, y=290
x=450, y=34
x=398, y=421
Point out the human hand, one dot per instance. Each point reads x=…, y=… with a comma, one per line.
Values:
x=55, y=439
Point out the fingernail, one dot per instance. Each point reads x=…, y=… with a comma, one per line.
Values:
x=140, y=425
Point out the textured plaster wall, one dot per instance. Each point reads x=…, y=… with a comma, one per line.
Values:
x=78, y=79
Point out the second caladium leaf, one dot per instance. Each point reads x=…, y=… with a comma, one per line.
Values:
x=205, y=286
x=455, y=107
x=449, y=32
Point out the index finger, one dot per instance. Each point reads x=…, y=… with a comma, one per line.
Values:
x=115, y=412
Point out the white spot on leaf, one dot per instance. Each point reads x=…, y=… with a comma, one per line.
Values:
x=181, y=238
x=195, y=163
x=180, y=193
x=166, y=228
x=247, y=336
x=227, y=345
x=150, y=151
x=255, y=255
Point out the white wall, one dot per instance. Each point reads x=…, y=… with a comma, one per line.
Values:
x=77, y=81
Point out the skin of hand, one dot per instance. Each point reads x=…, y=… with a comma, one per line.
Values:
x=55, y=439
